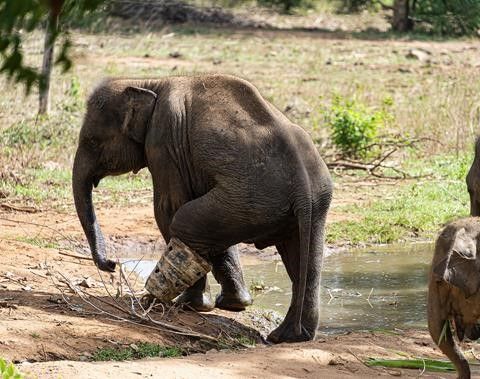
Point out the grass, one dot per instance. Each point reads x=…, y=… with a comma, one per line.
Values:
x=39, y=242
x=142, y=350
x=298, y=71
x=416, y=209
x=35, y=335
x=422, y=364
x=245, y=340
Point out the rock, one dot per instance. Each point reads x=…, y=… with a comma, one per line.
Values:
x=420, y=54
x=175, y=54
x=86, y=283
x=336, y=361
x=298, y=107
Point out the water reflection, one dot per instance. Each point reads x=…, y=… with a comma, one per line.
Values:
x=383, y=288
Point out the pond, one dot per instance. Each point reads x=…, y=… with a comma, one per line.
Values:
x=376, y=288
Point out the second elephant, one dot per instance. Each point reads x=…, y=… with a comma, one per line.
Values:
x=453, y=290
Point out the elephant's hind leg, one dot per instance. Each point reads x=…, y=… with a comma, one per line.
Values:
x=289, y=251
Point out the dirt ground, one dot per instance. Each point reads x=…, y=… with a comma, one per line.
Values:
x=46, y=325
x=51, y=332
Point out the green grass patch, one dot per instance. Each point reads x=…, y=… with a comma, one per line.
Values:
x=53, y=186
x=411, y=210
x=8, y=370
x=142, y=350
x=422, y=364
x=245, y=340
x=40, y=242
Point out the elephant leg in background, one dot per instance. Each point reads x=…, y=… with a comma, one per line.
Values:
x=289, y=251
x=228, y=272
x=437, y=316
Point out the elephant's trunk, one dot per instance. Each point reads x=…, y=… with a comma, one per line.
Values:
x=82, y=181
x=439, y=327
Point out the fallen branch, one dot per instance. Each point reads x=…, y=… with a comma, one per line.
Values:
x=377, y=165
x=134, y=317
x=75, y=256
x=19, y=208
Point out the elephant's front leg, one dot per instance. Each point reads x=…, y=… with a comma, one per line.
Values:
x=228, y=273
x=197, y=296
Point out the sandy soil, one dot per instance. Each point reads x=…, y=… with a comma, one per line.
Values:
x=45, y=322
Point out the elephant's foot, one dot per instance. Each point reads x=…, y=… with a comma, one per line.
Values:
x=286, y=333
x=200, y=301
x=234, y=301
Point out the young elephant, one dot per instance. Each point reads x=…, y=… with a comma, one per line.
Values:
x=227, y=167
x=453, y=291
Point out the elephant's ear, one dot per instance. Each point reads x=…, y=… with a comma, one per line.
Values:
x=460, y=267
x=140, y=103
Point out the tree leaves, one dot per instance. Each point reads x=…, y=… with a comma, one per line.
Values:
x=17, y=18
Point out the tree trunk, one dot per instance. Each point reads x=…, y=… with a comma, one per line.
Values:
x=48, y=48
x=401, y=21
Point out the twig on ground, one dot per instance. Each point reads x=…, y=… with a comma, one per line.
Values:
x=72, y=241
x=374, y=166
x=19, y=208
x=368, y=298
x=75, y=256
x=135, y=318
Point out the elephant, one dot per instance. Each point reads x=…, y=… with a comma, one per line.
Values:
x=473, y=182
x=227, y=167
x=453, y=289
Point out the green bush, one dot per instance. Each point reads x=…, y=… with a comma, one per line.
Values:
x=458, y=17
x=8, y=371
x=355, y=127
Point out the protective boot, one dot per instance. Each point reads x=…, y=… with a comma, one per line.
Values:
x=178, y=269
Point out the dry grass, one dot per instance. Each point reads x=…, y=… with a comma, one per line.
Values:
x=298, y=70
x=303, y=70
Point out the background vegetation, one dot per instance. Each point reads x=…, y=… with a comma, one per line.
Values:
x=346, y=78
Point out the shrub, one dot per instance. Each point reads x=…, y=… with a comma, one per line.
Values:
x=458, y=17
x=355, y=127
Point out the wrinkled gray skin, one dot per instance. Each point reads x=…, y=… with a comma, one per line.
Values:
x=473, y=182
x=453, y=291
x=227, y=167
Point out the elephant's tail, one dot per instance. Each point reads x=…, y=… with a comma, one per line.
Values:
x=303, y=212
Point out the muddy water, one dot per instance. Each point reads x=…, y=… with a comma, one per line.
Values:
x=378, y=288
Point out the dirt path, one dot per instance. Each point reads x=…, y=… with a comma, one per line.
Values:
x=329, y=357
x=43, y=320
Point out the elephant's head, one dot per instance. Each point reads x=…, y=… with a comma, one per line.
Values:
x=459, y=261
x=473, y=182
x=111, y=143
